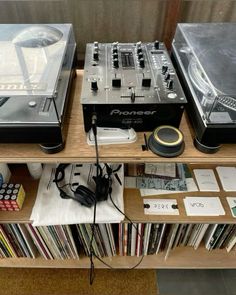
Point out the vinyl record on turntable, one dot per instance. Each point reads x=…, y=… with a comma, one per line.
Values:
x=166, y=141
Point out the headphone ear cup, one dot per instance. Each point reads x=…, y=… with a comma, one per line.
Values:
x=85, y=196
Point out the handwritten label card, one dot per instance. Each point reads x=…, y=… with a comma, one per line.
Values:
x=232, y=204
x=227, y=177
x=160, y=206
x=203, y=206
x=206, y=180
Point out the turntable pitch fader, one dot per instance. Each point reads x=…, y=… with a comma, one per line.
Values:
x=130, y=85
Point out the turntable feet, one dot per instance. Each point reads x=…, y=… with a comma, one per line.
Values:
x=52, y=148
x=205, y=148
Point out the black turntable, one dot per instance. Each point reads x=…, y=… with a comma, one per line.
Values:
x=36, y=69
x=205, y=57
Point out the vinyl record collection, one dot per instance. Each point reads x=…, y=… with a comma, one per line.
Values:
x=124, y=239
x=152, y=238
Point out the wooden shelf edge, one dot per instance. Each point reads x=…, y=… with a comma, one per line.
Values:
x=180, y=258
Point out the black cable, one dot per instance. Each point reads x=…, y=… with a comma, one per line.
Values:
x=142, y=237
x=91, y=254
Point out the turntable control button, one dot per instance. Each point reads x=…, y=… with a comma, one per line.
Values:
x=172, y=95
x=170, y=84
x=164, y=69
x=94, y=85
x=32, y=103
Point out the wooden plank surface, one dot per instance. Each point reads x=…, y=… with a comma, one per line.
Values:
x=77, y=148
x=181, y=257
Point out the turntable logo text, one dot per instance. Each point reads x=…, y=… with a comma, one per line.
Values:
x=20, y=86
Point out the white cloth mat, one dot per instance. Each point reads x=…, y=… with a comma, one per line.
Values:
x=51, y=209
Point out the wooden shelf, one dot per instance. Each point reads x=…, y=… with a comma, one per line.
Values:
x=181, y=257
x=133, y=203
x=77, y=150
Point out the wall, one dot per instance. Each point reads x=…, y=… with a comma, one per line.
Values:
x=118, y=20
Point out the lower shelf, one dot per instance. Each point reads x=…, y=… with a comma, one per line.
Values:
x=182, y=257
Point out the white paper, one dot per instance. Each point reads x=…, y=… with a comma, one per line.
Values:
x=191, y=187
x=51, y=209
x=227, y=177
x=232, y=204
x=160, y=206
x=206, y=180
x=163, y=169
x=130, y=182
x=203, y=206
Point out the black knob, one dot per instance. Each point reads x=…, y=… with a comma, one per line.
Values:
x=156, y=44
x=116, y=82
x=164, y=69
x=116, y=63
x=170, y=84
x=167, y=76
x=95, y=55
x=141, y=63
x=114, y=50
x=139, y=50
x=115, y=55
x=94, y=85
x=95, y=44
x=146, y=82
x=140, y=55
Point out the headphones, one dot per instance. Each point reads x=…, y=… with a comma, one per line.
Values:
x=82, y=194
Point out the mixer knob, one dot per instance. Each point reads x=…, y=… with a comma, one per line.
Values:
x=139, y=47
x=139, y=50
x=170, y=84
x=156, y=44
x=95, y=55
x=167, y=76
x=115, y=55
x=141, y=63
x=114, y=50
x=164, y=69
x=116, y=63
x=140, y=55
x=94, y=85
x=95, y=44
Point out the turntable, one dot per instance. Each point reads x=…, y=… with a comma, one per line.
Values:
x=36, y=69
x=205, y=57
